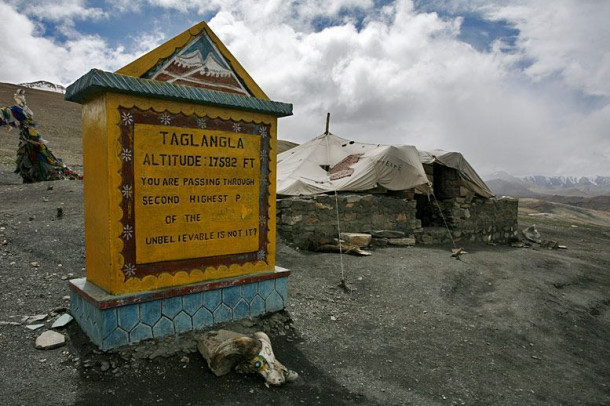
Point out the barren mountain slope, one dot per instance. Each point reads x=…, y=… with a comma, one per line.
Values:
x=58, y=121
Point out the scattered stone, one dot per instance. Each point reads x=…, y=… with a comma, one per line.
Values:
x=34, y=326
x=248, y=322
x=35, y=264
x=60, y=212
x=9, y=323
x=104, y=366
x=45, y=199
x=326, y=245
x=360, y=240
x=49, y=340
x=552, y=245
x=38, y=317
x=532, y=234
x=62, y=320
x=333, y=318
x=457, y=252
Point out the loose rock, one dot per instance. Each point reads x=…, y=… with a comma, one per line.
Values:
x=358, y=239
x=49, y=340
x=62, y=320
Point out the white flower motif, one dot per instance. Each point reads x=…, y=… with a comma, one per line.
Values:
x=262, y=219
x=165, y=119
x=127, y=232
x=126, y=191
x=202, y=123
x=261, y=254
x=127, y=118
x=263, y=154
x=236, y=127
x=263, y=132
x=129, y=270
x=126, y=155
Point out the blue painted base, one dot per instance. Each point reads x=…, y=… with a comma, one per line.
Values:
x=113, y=321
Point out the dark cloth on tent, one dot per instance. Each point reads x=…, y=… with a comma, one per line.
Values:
x=35, y=162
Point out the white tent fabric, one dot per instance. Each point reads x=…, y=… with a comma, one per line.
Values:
x=301, y=170
x=455, y=160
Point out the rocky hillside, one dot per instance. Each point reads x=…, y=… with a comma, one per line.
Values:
x=58, y=121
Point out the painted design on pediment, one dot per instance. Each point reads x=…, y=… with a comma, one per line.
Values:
x=199, y=64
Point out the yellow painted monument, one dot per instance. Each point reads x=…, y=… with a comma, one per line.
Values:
x=179, y=164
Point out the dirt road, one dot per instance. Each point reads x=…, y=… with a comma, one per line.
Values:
x=500, y=326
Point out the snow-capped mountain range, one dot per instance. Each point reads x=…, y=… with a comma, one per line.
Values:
x=529, y=186
x=44, y=85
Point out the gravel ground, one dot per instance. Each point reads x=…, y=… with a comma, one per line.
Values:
x=500, y=326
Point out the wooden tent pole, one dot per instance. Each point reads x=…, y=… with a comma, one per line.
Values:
x=327, y=123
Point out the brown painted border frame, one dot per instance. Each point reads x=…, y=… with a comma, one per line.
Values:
x=134, y=115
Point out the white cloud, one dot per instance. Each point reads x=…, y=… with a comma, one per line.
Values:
x=29, y=56
x=570, y=38
x=540, y=106
x=56, y=10
x=405, y=77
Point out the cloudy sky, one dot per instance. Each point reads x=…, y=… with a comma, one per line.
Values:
x=521, y=86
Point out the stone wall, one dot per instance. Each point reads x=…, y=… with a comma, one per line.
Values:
x=305, y=220
x=471, y=219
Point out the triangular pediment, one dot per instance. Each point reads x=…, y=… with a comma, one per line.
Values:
x=195, y=58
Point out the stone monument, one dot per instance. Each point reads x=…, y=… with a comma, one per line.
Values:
x=179, y=154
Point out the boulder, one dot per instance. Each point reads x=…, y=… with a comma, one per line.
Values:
x=532, y=234
x=358, y=239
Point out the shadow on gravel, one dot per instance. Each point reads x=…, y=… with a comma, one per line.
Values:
x=184, y=378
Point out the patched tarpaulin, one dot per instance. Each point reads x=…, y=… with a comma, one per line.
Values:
x=328, y=163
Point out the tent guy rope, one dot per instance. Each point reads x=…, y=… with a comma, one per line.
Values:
x=343, y=283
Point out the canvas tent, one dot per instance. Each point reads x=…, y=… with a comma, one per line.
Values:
x=470, y=179
x=328, y=163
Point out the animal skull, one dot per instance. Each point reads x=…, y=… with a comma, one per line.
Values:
x=226, y=350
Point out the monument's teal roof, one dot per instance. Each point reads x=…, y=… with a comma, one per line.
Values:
x=98, y=81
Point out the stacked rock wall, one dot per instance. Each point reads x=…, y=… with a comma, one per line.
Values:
x=474, y=219
x=304, y=221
